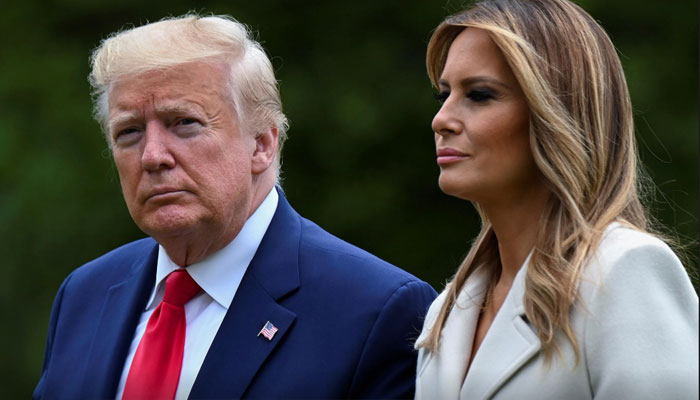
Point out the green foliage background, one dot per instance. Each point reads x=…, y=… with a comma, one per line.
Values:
x=360, y=159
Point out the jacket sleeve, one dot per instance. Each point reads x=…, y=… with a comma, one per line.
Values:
x=387, y=366
x=641, y=339
x=55, y=310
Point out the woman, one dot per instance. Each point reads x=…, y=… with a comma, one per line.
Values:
x=564, y=294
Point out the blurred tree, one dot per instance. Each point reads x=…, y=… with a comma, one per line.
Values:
x=360, y=159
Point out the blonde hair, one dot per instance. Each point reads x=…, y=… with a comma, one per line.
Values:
x=190, y=38
x=582, y=140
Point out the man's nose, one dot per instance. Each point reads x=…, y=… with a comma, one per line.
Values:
x=156, y=150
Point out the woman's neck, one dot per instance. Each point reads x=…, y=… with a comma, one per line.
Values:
x=516, y=226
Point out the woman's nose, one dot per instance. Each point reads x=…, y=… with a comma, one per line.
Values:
x=445, y=121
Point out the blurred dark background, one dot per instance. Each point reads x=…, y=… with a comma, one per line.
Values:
x=360, y=160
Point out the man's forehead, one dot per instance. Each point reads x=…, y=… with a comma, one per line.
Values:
x=135, y=108
x=167, y=91
x=137, y=105
x=171, y=82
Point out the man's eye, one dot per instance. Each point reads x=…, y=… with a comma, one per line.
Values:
x=187, y=121
x=127, y=136
x=480, y=95
x=126, y=131
x=442, y=96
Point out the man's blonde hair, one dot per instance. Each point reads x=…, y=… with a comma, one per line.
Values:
x=254, y=92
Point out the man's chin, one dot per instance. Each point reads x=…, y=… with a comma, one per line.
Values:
x=168, y=225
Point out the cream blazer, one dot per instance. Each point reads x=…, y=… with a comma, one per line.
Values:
x=637, y=334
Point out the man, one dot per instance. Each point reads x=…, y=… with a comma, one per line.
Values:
x=233, y=294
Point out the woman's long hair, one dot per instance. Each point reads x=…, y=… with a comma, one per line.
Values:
x=582, y=140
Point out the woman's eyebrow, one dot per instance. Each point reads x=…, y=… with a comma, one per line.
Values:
x=473, y=80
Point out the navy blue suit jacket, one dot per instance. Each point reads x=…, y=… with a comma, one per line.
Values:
x=346, y=321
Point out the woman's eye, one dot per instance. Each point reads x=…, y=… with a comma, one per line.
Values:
x=442, y=96
x=480, y=95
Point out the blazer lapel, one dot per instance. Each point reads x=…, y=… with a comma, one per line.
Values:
x=444, y=371
x=120, y=315
x=238, y=352
x=509, y=343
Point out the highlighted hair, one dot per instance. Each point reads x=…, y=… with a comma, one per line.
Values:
x=582, y=140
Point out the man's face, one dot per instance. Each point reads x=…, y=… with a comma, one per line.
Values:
x=183, y=162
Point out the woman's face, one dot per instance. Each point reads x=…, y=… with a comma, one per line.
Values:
x=482, y=128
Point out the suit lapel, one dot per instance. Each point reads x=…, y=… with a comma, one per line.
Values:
x=237, y=352
x=509, y=343
x=120, y=314
x=446, y=368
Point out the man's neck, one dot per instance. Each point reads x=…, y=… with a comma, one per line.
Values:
x=200, y=242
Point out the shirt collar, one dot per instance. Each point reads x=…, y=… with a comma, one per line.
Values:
x=220, y=274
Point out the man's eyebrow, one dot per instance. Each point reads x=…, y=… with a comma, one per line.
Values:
x=121, y=118
x=473, y=80
x=177, y=107
x=126, y=117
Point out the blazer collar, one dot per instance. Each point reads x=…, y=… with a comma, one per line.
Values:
x=444, y=370
x=238, y=352
x=117, y=321
x=509, y=343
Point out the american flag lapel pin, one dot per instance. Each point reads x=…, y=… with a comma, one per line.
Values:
x=268, y=331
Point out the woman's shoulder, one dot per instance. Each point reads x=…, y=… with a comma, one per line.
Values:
x=629, y=257
x=640, y=314
x=623, y=236
x=621, y=242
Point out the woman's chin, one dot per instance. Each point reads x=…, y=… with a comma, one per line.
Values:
x=452, y=187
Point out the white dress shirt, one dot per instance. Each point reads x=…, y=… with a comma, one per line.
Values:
x=219, y=276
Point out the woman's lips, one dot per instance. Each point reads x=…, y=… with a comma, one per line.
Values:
x=449, y=155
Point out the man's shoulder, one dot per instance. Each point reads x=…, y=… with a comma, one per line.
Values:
x=117, y=263
x=338, y=259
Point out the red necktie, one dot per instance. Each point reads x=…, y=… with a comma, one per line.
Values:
x=155, y=370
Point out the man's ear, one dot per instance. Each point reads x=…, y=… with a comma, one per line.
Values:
x=266, y=143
